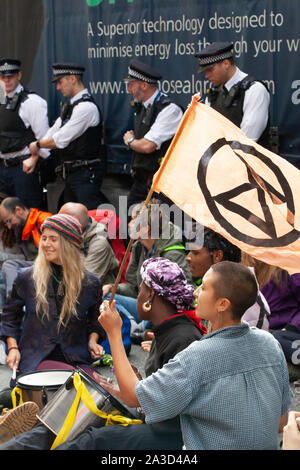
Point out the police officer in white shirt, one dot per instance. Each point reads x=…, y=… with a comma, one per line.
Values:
x=238, y=96
x=156, y=119
x=77, y=137
x=23, y=117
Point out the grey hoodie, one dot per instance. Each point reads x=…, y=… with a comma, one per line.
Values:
x=99, y=255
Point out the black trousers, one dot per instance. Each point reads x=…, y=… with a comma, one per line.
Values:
x=138, y=193
x=84, y=186
x=161, y=436
x=290, y=343
x=14, y=182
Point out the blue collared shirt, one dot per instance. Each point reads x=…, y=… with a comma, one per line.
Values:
x=230, y=389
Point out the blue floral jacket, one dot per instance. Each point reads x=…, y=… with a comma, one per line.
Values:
x=37, y=338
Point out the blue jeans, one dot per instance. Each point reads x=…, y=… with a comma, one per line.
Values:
x=128, y=306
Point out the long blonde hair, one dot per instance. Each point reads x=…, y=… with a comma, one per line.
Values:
x=73, y=274
x=263, y=271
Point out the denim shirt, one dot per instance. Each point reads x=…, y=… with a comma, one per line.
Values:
x=230, y=389
x=37, y=338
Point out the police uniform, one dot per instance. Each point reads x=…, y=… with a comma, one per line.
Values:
x=78, y=134
x=242, y=99
x=23, y=118
x=156, y=120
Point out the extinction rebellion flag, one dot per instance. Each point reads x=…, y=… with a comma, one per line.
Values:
x=227, y=182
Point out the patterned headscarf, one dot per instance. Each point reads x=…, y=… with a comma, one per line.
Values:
x=67, y=225
x=168, y=280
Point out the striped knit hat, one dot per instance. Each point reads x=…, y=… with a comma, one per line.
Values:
x=67, y=225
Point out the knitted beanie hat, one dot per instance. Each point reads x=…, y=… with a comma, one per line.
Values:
x=67, y=225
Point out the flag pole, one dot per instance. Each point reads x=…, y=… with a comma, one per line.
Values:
x=128, y=249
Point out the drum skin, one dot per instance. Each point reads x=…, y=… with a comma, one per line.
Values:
x=40, y=386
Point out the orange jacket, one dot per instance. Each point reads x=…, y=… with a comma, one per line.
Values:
x=33, y=225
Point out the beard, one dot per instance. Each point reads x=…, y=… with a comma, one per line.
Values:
x=19, y=230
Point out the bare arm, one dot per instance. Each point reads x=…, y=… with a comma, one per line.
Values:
x=111, y=321
x=30, y=163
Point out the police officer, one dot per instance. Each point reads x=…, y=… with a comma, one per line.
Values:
x=238, y=96
x=77, y=136
x=156, y=119
x=23, y=118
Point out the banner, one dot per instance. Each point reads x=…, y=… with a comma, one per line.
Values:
x=227, y=182
x=104, y=35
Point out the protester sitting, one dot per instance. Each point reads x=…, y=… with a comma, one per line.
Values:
x=230, y=389
x=212, y=248
x=26, y=225
x=166, y=299
x=61, y=300
x=99, y=257
x=9, y=250
x=282, y=293
x=155, y=237
x=8, y=246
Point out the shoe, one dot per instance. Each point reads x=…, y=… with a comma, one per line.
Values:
x=18, y=420
x=137, y=338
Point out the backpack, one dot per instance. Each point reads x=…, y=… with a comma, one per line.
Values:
x=112, y=222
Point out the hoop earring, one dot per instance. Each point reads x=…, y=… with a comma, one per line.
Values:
x=220, y=324
x=147, y=306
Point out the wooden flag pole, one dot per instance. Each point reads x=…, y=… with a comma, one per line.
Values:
x=155, y=180
x=117, y=281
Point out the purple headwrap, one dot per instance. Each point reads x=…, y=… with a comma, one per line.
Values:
x=168, y=280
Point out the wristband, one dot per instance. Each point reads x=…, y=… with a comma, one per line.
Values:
x=38, y=144
x=13, y=347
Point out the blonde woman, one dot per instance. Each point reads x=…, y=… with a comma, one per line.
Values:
x=61, y=300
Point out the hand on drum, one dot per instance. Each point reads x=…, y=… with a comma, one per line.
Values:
x=107, y=384
x=109, y=317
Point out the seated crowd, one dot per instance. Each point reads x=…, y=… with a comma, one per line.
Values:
x=221, y=324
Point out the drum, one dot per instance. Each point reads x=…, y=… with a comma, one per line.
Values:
x=56, y=413
x=40, y=386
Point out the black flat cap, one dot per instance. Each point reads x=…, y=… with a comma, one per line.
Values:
x=61, y=69
x=139, y=71
x=215, y=52
x=9, y=66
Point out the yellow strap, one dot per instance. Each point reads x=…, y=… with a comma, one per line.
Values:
x=84, y=395
x=14, y=398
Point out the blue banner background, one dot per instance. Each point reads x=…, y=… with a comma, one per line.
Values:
x=166, y=34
